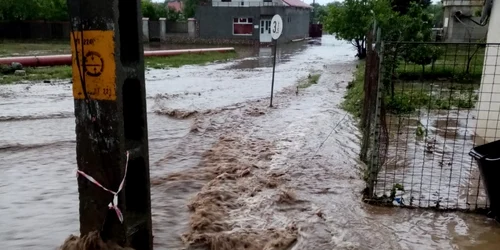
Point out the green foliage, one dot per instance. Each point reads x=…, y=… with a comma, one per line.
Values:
x=153, y=10
x=190, y=8
x=19, y=10
x=353, y=100
x=350, y=21
x=420, y=132
x=437, y=12
x=38, y=74
x=188, y=59
x=403, y=6
x=319, y=13
x=422, y=54
x=57, y=10
x=174, y=15
x=417, y=24
x=310, y=80
x=455, y=63
x=478, y=12
x=446, y=97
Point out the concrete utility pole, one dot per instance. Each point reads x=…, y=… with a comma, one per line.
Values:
x=111, y=122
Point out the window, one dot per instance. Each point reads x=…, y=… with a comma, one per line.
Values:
x=243, y=26
x=225, y=0
x=268, y=1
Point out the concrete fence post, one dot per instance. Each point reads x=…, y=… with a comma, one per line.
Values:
x=192, y=27
x=145, y=29
x=163, y=29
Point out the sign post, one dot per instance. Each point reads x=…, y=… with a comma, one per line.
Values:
x=276, y=30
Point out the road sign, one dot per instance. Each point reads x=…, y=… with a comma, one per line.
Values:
x=276, y=27
x=276, y=30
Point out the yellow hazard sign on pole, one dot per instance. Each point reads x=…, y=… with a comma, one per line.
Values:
x=93, y=64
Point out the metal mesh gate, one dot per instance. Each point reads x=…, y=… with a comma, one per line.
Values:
x=435, y=102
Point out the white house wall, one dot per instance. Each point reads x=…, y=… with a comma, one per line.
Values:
x=488, y=120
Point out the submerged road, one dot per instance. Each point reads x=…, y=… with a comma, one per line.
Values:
x=212, y=135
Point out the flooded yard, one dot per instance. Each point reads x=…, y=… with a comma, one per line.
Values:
x=428, y=156
x=227, y=171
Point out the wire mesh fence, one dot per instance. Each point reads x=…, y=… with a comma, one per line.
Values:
x=437, y=101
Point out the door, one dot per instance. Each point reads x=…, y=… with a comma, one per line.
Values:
x=265, y=30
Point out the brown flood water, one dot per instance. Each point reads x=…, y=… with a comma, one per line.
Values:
x=235, y=174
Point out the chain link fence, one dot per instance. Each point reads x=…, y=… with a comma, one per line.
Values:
x=434, y=102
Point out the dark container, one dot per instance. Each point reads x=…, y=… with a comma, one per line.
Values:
x=315, y=30
x=488, y=159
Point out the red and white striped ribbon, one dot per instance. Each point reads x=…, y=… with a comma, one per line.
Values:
x=114, y=203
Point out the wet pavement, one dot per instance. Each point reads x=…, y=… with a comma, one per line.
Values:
x=227, y=171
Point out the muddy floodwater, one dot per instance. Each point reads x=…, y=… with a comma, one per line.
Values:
x=227, y=171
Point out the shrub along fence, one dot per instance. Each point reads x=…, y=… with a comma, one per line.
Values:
x=177, y=27
x=433, y=105
x=34, y=30
x=45, y=30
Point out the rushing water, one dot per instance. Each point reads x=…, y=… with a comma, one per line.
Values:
x=314, y=144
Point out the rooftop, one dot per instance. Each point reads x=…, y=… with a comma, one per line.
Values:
x=297, y=3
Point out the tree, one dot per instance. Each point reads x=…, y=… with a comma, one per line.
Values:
x=436, y=10
x=423, y=54
x=403, y=6
x=20, y=10
x=190, y=8
x=153, y=10
x=418, y=28
x=353, y=19
x=319, y=13
x=54, y=10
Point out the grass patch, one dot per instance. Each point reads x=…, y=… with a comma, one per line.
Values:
x=460, y=64
x=38, y=74
x=188, y=59
x=15, y=48
x=311, y=79
x=411, y=96
x=353, y=100
x=441, y=96
x=64, y=72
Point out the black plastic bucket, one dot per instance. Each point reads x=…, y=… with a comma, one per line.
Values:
x=488, y=160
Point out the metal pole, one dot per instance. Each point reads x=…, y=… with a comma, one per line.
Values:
x=274, y=67
x=111, y=123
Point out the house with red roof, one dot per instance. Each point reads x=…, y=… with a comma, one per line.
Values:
x=251, y=19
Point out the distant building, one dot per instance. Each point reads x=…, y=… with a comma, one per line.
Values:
x=457, y=24
x=251, y=19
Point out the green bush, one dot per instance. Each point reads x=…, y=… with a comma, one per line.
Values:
x=446, y=98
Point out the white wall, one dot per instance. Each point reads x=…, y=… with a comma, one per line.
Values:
x=246, y=3
x=488, y=125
